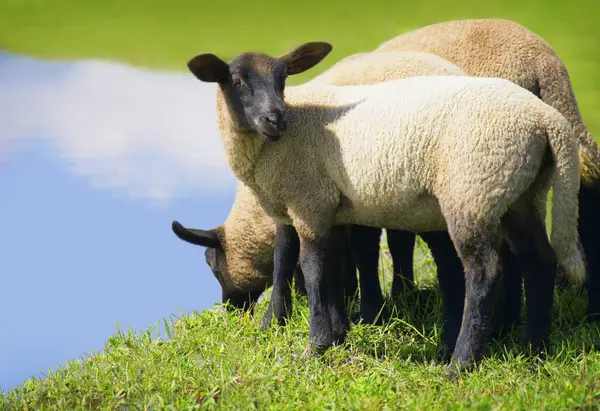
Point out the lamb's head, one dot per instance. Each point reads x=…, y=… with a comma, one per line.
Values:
x=253, y=84
x=216, y=259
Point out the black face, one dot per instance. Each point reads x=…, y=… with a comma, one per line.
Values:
x=256, y=89
x=253, y=84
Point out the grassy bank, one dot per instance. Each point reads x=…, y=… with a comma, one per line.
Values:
x=224, y=361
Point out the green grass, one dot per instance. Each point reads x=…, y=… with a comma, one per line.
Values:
x=225, y=361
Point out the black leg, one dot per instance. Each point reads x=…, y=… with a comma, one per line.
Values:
x=480, y=254
x=402, y=246
x=451, y=279
x=365, y=250
x=508, y=309
x=336, y=275
x=508, y=305
x=589, y=224
x=315, y=266
x=536, y=257
x=287, y=249
x=350, y=279
x=299, y=285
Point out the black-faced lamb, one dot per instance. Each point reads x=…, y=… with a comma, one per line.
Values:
x=244, y=269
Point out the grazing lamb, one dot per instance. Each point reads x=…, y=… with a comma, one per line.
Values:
x=240, y=252
x=473, y=156
x=506, y=49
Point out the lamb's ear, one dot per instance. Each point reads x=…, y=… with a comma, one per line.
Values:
x=205, y=238
x=305, y=56
x=209, y=68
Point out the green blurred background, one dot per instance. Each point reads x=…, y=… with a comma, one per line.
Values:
x=165, y=34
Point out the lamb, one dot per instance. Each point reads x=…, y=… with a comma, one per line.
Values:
x=461, y=154
x=374, y=67
x=242, y=265
x=245, y=269
x=506, y=49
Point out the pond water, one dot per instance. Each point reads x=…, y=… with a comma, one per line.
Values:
x=96, y=160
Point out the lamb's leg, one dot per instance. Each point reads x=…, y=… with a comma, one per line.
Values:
x=350, y=279
x=589, y=226
x=299, y=285
x=336, y=275
x=451, y=279
x=402, y=245
x=287, y=249
x=315, y=264
x=479, y=251
x=508, y=309
x=365, y=250
x=530, y=243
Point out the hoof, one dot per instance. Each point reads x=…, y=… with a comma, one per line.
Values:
x=340, y=330
x=339, y=337
x=451, y=373
x=375, y=316
x=454, y=370
x=535, y=346
x=355, y=318
x=444, y=354
x=560, y=282
x=593, y=317
x=500, y=332
x=267, y=320
x=315, y=350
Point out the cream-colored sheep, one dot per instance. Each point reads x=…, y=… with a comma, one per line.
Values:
x=429, y=153
x=240, y=251
x=374, y=67
x=504, y=48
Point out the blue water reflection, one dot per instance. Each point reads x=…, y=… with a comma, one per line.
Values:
x=96, y=159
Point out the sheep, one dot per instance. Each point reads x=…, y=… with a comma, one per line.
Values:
x=243, y=264
x=467, y=155
x=249, y=270
x=506, y=49
x=245, y=269
x=374, y=67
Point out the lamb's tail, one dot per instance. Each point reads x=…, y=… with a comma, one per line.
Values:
x=565, y=238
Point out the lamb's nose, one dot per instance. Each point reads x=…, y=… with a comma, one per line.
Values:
x=274, y=117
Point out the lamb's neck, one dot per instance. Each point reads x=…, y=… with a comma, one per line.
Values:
x=242, y=146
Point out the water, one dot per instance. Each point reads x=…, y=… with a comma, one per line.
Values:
x=96, y=160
